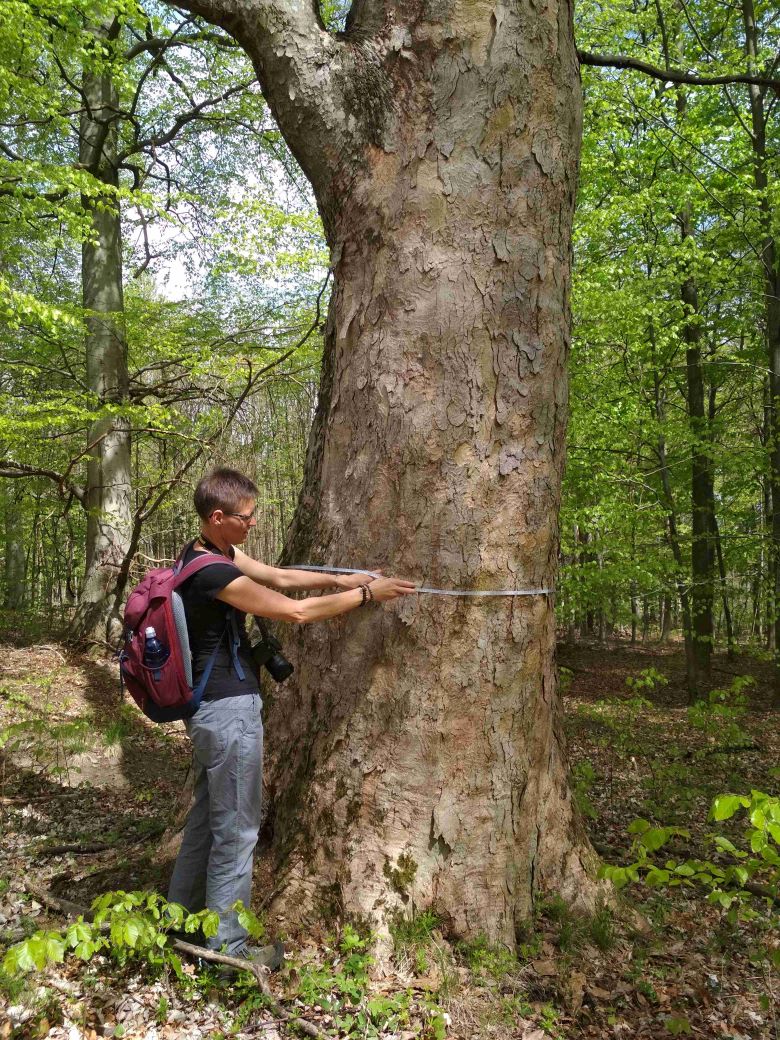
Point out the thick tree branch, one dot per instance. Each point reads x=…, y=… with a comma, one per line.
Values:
x=155, y=44
x=312, y=82
x=622, y=61
x=16, y=470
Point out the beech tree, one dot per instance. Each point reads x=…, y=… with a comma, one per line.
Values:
x=420, y=754
x=106, y=113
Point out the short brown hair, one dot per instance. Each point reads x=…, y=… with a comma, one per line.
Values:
x=222, y=489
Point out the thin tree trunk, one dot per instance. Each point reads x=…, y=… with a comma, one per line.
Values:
x=724, y=592
x=666, y=621
x=702, y=487
x=108, y=497
x=15, y=561
x=770, y=260
x=673, y=539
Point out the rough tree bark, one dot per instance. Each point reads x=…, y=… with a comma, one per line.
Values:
x=420, y=756
x=107, y=498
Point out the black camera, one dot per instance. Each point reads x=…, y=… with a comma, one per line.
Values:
x=267, y=653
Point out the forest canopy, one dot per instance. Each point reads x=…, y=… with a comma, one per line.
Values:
x=671, y=361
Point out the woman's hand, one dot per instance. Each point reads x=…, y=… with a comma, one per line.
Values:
x=352, y=581
x=383, y=589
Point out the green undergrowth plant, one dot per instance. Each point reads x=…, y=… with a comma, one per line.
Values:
x=742, y=876
x=576, y=930
x=486, y=962
x=125, y=926
x=341, y=987
x=48, y=744
x=413, y=939
x=42, y=735
x=615, y=726
x=720, y=714
x=583, y=779
x=648, y=679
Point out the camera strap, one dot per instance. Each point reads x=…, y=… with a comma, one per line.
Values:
x=424, y=589
x=263, y=630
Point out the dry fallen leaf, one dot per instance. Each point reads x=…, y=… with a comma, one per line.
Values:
x=429, y=982
x=544, y=967
x=598, y=993
x=576, y=987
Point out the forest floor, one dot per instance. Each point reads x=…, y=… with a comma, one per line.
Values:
x=87, y=787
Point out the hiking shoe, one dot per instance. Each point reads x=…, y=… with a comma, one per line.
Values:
x=271, y=957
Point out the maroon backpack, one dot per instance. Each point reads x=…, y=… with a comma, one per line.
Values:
x=165, y=692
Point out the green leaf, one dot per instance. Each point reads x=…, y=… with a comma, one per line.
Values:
x=638, y=826
x=725, y=805
x=655, y=838
x=209, y=924
x=131, y=932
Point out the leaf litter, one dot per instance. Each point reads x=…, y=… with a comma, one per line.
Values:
x=87, y=786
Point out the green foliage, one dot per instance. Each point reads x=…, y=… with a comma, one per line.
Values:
x=125, y=925
x=651, y=153
x=719, y=715
x=219, y=202
x=402, y=876
x=647, y=679
x=677, y=1025
x=583, y=777
x=577, y=929
x=341, y=988
x=413, y=937
x=742, y=879
x=486, y=961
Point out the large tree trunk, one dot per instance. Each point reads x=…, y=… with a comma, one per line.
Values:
x=107, y=499
x=420, y=754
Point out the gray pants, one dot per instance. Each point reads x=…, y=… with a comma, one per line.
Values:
x=214, y=865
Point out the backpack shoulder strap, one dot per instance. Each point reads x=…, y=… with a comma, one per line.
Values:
x=182, y=571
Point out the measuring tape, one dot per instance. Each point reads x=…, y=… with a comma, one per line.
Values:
x=425, y=589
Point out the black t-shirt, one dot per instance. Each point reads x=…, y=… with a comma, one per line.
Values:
x=208, y=624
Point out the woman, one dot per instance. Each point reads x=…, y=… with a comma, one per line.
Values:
x=214, y=865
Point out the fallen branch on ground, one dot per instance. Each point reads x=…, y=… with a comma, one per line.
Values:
x=68, y=908
x=98, y=846
x=59, y=850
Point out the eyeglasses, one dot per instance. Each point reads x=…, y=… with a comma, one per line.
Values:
x=247, y=518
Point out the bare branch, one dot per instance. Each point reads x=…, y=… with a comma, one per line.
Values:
x=307, y=78
x=156, y=44
x=623, y=61
x=181, y=121
x=15, y=470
